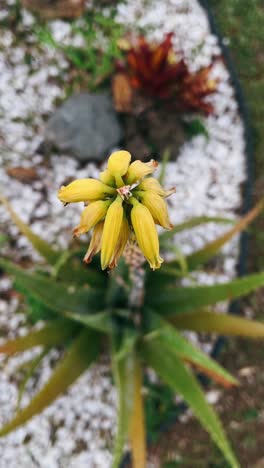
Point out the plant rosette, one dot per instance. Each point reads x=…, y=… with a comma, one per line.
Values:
x=83, y=309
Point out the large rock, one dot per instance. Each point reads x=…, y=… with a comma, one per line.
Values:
x=85, y=126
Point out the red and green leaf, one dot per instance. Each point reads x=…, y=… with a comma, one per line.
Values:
x=176, y=344
x=79, y=356
x=42, y=247
x=55, y=333
x=174, y=372
x=224, y=324
x=177, y=300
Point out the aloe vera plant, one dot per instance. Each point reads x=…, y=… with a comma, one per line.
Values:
x=90, y=308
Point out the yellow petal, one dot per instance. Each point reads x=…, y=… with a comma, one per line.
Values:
x=146, y=234
x=137, y=170
x=107, y=178
x=122, y=241
x=84, y=190
x=111, y=231
x=118, y=163
x=91, y=215
x=158, y=208
x=149, y=183
x=95, y=243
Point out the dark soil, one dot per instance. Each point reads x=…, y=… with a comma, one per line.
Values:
x=153, y=128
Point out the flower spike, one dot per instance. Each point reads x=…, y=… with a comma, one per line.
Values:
x=119, y=210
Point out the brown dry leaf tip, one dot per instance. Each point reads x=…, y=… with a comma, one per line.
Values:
x=122, y=92
x=23, y=174
x=56, y=9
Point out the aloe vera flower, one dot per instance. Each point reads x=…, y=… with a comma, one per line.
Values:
x=124, y=205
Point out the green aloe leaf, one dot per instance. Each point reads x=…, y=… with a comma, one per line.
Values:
x=172, y=371
x=123, y=370
x=165, y=159
x=83, y=351
x=43, y=248
x=70, y=266
x=225, y=324
x=183, y=349
x=176, y=300
x=181, y=259
x=61, y=298
x=53, y=334
x=212, y=248
x=31, y=368
x=100, y=321
x=192, y=223
x=65, y=270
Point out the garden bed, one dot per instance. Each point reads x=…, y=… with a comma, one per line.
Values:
x=208, y=172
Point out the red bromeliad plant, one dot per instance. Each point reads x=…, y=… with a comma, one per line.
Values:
x=156, y=71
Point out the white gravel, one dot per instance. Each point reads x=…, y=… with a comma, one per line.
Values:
x=208, y=176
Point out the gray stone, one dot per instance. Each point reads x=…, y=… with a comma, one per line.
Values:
x=85, y=126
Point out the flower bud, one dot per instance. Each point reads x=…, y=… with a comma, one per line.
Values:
x=137, y=170
x=158, y=208
x=149, y=183
x=118, y=163
x=146, y=233
x=111, y=231
x=84, y=190
x=122, y=241
x=107, y=178
x=91, y=215
x=95, y=243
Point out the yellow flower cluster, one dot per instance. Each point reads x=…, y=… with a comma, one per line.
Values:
x=126, y=202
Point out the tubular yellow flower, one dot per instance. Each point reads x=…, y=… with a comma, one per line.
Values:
x=151, y=184
x=111, y=231
x=157, y=207
x=118, y=163
x=121, y=206
x=137, y=170
x=91, y=215
x=122, y=241
x=146, y=233
x=84, y=190
x=95, y=243
x=107, y=178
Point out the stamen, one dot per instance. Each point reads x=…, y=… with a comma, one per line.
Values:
x=125, y=192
